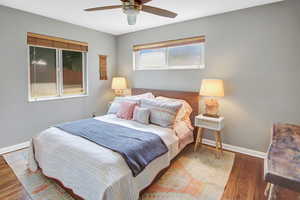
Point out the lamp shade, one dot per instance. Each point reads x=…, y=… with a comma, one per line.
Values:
x=212, y=88
x=119, y=83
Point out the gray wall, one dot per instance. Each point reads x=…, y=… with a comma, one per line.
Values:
x=256, y=51
x=19, y=119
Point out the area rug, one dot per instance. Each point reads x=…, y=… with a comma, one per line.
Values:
x=192, y=176
x=36, y=184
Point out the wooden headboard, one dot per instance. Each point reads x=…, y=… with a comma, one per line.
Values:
x=191, y=97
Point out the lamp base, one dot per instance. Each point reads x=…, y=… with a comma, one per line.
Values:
x=211, y=108
x=119, y=93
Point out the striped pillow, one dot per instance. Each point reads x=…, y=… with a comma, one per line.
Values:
x=162, y=113
x=183, y=113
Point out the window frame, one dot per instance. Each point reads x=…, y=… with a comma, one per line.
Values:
x=135, y=55
x=59, y=75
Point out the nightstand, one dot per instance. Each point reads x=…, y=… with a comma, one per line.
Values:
x=214, y=124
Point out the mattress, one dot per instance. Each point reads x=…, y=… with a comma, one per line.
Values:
x=94, y=172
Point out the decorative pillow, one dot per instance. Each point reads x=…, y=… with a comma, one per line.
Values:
x=115, y=105
x=141, y=115
x=113, y=108
x=126, y=110
x=162, y=112
x=183, y=113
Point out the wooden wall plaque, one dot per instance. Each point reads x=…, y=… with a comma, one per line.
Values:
x=103, y=67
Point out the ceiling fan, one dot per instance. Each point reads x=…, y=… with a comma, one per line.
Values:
x=133, y=7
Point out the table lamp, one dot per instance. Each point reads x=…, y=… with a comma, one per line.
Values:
x=119, y=84
x=212, y=88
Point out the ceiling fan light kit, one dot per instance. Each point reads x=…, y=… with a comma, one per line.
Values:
x=131, y=16
x=133, y=7
x=131, y=10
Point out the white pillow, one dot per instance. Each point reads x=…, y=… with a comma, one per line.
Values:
x=145, y=95
x=115, y=106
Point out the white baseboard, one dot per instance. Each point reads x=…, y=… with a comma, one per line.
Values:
x=14, y=147
x=237, y=149
x=205, y=141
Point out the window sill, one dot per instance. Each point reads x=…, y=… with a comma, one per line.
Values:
x=169, y=68
x=56, y=98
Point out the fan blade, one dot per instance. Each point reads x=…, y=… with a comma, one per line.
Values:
x=158, y=11
x=103, y=8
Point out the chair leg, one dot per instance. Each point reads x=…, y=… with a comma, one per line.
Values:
x=273, y=193
x=267, y=190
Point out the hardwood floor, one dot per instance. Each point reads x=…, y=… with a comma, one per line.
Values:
x=10, y=187
x=246, y=179
x=245, y=182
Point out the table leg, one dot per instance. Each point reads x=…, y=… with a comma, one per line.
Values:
x=219, y=148
x=201, y=136
x=220, y=141
x=198, y=138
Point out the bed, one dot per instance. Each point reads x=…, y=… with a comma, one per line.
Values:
x=89, y=171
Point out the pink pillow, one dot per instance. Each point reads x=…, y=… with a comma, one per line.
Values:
x=126, y=110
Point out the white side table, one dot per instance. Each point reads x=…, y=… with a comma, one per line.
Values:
x=210, y=123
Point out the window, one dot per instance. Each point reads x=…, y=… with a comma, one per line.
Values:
x=56, y=73
x=151, y=58
x=57, y=68
x=177, y=54
x=43, y=72
x=73, y=65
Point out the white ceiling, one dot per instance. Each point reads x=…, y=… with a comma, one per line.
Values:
x=115, y=22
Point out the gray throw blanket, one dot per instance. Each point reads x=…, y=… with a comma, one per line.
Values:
x=138, y=148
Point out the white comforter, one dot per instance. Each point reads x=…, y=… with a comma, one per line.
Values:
x=94, y=172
